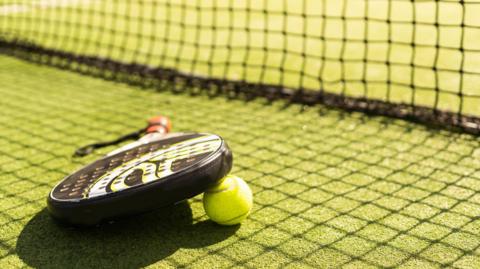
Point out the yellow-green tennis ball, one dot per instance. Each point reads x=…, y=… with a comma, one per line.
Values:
x=229, y=202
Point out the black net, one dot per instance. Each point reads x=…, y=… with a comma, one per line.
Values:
x=410, y=59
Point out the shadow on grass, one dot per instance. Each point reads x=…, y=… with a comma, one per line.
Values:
x=130, y=243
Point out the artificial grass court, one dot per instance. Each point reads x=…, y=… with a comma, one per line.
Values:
x=331, y=188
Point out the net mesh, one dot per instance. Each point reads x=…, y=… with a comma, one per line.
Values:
x=410, y=59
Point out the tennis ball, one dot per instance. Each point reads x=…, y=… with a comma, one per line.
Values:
x=229, y=202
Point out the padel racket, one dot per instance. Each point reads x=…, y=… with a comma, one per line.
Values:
x=140, y=177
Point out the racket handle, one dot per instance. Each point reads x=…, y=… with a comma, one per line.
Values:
x=160, y=124
x=157, y=127
x=160, y=120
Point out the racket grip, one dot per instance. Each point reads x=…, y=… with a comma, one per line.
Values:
x=157, y=127
x=159, y=124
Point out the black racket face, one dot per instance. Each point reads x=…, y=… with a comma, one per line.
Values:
x=138, y=167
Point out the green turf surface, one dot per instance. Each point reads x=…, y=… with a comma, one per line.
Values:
x=387, y=50
x=331, y=188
